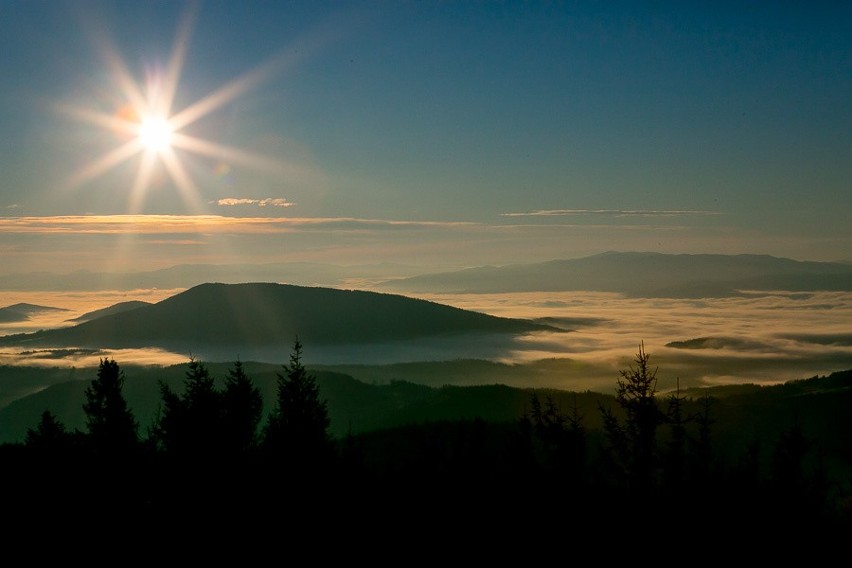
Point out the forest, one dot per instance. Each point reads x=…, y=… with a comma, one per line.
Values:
x=645, y=460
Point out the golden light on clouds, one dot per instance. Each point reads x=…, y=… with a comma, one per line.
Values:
x=176, y=224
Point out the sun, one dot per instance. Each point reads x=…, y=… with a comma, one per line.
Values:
x=155, y=133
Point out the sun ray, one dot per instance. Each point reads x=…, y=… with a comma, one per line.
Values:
x=146, y=115
x=224, y=94
x=178, y=56
x=106, y=121
x=235, y=155
x=143, y=178
x=105, y=163
x=124, y=78
x=186, y=187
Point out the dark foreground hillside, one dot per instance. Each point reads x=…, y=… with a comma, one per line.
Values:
x=509, y=463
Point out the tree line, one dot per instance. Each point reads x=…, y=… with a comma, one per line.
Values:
x=200, y=423
x=210, y=449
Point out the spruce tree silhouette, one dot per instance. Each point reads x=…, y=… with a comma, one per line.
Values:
x=674, y=454
x=50, y=435
x=190, y=424
x=799, y=488
x=633, y=444
x=189, y=433
x=700, y=462
x=242, y=406
x=108, y=473
x=297, y=430
x=112, y=428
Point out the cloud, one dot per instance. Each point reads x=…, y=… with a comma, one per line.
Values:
x=207, y=224
x=269, y=201
x=611, y=213
x=178, y=242
x=835, y=339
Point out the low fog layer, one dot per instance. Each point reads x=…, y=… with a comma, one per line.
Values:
x=759, y=337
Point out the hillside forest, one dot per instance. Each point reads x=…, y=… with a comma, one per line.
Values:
x=212, y=451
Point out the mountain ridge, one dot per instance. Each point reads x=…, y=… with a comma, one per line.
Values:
x=640, y=274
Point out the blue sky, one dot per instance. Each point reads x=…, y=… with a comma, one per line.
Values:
x=442, y=133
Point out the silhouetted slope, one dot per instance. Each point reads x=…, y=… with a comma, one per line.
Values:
x=642, y=274
x=354, y=406
x=253, y=315
x=23, y=312
x=742, y=413
x=18, y=382
x=819, y=404
x=113, y=309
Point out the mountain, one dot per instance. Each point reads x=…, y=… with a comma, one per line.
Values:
x=641, y=275
x=245, y=317
x=113, y=309
x=23, y=312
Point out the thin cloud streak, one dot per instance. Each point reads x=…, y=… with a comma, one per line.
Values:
x=194, y=224
x=268, y=201
x=611, y=213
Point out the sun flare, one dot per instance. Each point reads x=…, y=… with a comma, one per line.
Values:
x=155, y=133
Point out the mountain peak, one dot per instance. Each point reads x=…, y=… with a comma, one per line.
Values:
x=258, y=315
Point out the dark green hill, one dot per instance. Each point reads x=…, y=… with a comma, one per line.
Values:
x=256, y=315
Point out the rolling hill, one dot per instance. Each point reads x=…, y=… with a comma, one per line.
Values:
x=23, y=312
x=640, y=275
x=250, y=316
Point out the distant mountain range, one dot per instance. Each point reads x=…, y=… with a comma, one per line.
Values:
x=634, y=274
x=640, y=275
x=23, y=312
x=245, y=317
x=188, y=275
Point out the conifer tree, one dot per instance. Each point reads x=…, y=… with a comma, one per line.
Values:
x=242, y=405
x=190, y=424
x=675, y=450
x=632, y=445
x=110, y=423
x=298, y=425
x=49, y=435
